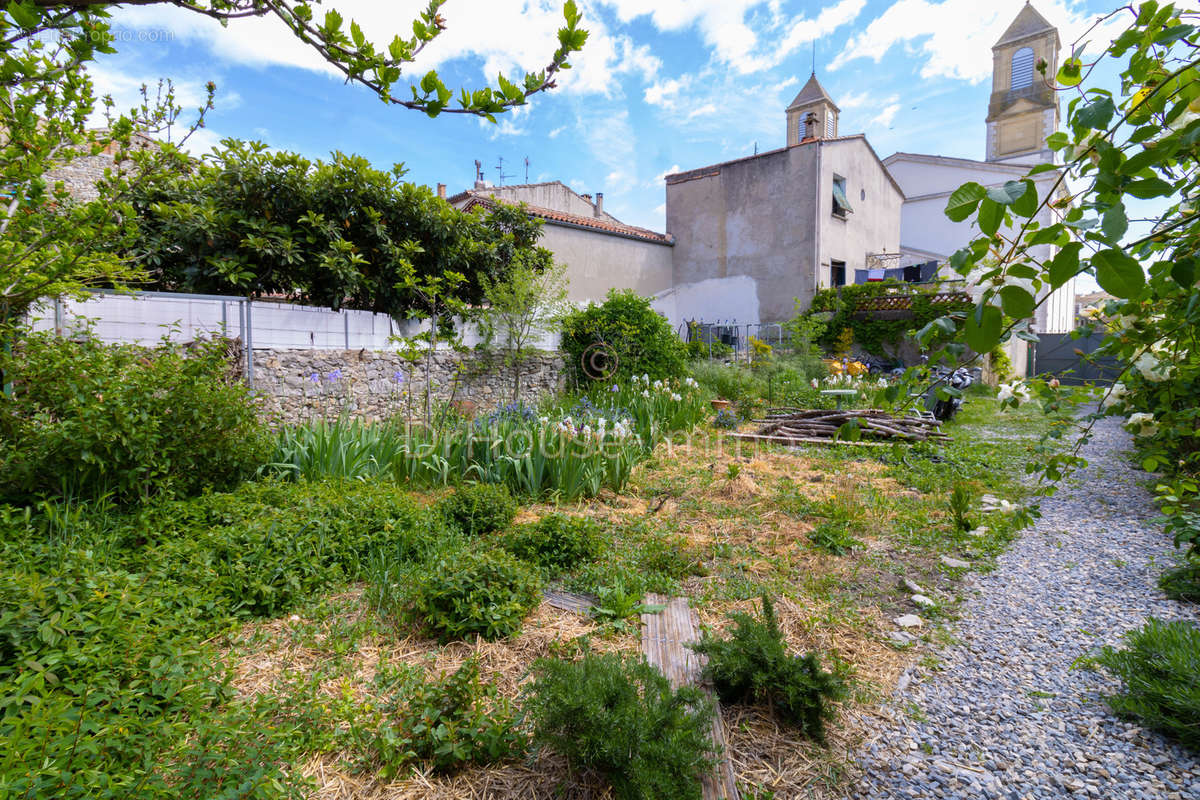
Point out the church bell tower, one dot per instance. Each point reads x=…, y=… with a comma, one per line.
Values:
x=1023, y=109
x=812, y=114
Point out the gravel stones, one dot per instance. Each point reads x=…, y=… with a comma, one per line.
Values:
x=909, y=621
x=956, y=563
x=1006, y=716
x=923, y=601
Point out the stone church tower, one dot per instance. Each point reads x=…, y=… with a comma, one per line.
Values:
x=812, y=99
x=1023, y=109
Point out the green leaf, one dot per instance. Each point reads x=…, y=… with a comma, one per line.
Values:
x=1096, y=114
x=1070, y=74
x=1026, y=203
x=1183, y=272
x=991, y=214
x=1149, y=188
x=24, y=14
x=1016, y=302
x=1118, y=273
x=1007, y=194
x=963, y=201
x=1065, y=264
x=983, y=328
x=1114, y=223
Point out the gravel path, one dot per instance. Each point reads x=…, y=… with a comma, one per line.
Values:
x=1005, y=716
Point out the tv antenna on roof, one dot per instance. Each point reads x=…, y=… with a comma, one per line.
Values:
x=527, y=169
x=503, y=174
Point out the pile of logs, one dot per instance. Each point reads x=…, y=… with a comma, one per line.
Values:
x=800, y=426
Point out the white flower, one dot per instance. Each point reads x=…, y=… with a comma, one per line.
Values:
x=690, y=382
x=1141, y=424
x=1150, y=367
x=1016, y=390
x=543, y=420
x=815, y=383
x=646, y=393
x=1091, y=312
x=658, y=384
x=645, y=378
x=676, y=397
x=1115, y=397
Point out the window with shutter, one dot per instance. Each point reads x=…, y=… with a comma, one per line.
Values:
x=1022, y=68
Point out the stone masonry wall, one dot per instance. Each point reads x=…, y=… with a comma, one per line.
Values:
x=301, y=384
x=80, y=176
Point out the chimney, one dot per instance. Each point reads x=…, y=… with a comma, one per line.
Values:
x=599, y=204
x=811, y=129
x=442, y=190
x=587, y=197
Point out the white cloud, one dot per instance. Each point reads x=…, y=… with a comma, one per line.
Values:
x=883, y=119
x=703, y=111
x=658, y=179
x=554, y=133
x=509, y=36
x=748, y=35
x=951, y=35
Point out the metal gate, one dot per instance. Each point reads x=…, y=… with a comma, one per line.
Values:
x=1073, y=361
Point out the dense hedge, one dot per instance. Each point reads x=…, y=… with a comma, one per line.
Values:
x=873, y=334
x=87, y=419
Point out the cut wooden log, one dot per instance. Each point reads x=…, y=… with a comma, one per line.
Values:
x=569, y=601
x=822, y=425
x=665, y=637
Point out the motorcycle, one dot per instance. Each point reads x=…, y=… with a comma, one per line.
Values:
x=945, y=409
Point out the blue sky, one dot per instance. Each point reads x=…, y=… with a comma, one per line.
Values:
x=660, y=87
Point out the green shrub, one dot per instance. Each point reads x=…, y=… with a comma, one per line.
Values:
x=622, y=719
x=112, y=692
x=479, y=508
x=1182, y=582
x=87, y=419
x=1161, y=672
x=259, y=551
x=459, y=592
x=833, y=536
x=448, y=722
x=557, y=542
x=753, y=666
x=736, y=384
x=627, y=338
x=960, y=507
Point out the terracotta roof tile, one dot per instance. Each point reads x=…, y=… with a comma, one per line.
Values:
x=478, y=197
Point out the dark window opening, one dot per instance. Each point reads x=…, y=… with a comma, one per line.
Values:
x=837, y=273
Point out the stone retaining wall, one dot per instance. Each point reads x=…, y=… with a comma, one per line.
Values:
x=300, y=384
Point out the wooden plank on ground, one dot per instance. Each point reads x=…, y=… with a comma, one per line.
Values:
x=569, y=601
x=664, y=639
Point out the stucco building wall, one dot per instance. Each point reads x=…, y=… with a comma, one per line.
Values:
x=873, y=226
x=597, y=262
x=770, y=218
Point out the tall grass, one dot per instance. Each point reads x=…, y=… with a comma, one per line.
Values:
x=567, y=454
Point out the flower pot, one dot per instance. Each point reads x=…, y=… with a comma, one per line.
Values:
x=720, y=405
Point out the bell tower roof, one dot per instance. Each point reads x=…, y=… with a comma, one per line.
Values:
x=813, y=92
x=1029, y=23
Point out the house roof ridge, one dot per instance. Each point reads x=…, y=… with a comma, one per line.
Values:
x=553, y=215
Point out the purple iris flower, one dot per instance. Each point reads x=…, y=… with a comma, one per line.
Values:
x=335, y=376
x=398, y=376
x=615, y=388
x=315, y=378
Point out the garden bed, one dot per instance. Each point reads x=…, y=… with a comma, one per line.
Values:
x=745, y=517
